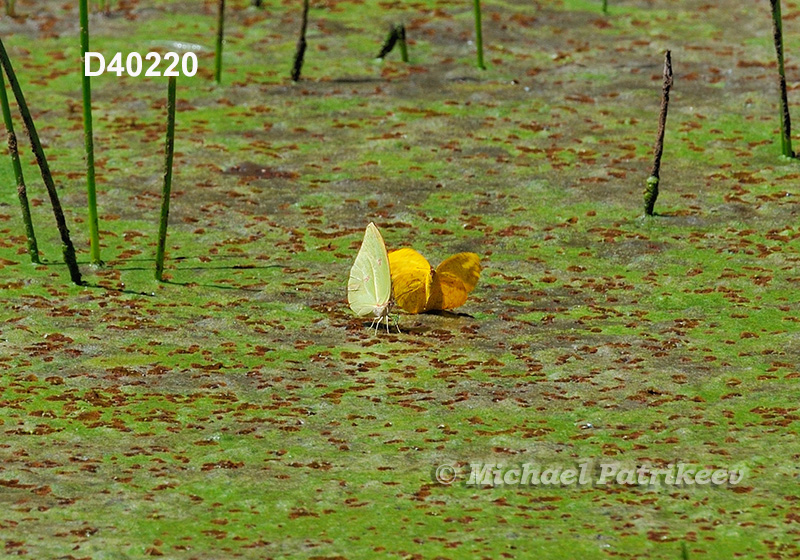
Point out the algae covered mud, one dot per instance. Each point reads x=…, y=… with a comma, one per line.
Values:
x=240, y=409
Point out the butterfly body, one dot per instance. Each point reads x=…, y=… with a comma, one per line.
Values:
x=418, y=287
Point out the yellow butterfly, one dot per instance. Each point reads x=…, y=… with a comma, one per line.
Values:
x=419, y=288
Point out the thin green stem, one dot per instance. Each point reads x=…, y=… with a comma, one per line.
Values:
x=10, y=8
x=88, y=138
x=167, y=188
x=22, y=192
x=401, y=38
x=777, y=35
x=220, y=36
x=397, y=34
x=605, y=6
x=67, y=247
x=479, y=34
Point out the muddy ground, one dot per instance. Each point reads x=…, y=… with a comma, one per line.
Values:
x=241, y=410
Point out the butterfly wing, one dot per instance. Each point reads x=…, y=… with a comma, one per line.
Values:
x=453, y=280
x=411, y=279
x=369, y=288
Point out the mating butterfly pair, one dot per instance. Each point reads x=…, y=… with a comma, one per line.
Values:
x=417, y=286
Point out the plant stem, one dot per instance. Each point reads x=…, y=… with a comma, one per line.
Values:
x=651, y=188
x=777, y=35
x=401, y=37
x=88, y=137
x=220, y=36
x=479, y=34
x=10, y=8
x=67, y=247
x=22, y=192
x=605, y=7
x=300, y=50
x=388, y=45
x=167, y=188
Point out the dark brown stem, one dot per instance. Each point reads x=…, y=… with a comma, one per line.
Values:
x=651, y=189
x=662, y=117
x=220, y=38
x=390, y=42
x=66, y=243
x=301, y=45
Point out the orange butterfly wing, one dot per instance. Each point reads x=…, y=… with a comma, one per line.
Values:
x=411, y=279
x=453, y=280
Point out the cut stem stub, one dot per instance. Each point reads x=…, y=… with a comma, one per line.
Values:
x=651, y=188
